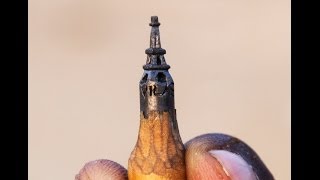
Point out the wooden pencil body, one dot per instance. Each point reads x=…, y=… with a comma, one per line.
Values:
x=159, y=151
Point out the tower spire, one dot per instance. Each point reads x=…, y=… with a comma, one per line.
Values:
x=155, y=34
x=155, y=58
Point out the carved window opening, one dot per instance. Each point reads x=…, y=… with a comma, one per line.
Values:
x=148, y=60
x=144, y=79
x=161, y=77
x=158, y=60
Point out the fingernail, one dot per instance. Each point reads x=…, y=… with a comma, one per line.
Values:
x=234, y=165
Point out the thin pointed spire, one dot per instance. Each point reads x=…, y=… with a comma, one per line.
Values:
x=155, y=44
x=155, y=59
x=155, y=34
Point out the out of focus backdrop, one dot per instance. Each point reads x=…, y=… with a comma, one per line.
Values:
x=230, y=61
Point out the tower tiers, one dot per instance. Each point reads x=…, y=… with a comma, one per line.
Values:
x=156, y=85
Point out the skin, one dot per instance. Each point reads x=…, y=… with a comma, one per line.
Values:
x=220, y=156
x=209, y=156
x=102, y=169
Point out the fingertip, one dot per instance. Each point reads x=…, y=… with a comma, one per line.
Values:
x=220, y=154
x=102, y=169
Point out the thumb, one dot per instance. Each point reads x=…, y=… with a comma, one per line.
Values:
x=219, y=156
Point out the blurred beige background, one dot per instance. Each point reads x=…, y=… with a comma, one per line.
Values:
x=230, y=62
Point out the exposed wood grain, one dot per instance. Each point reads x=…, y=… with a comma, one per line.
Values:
x=159, y=151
